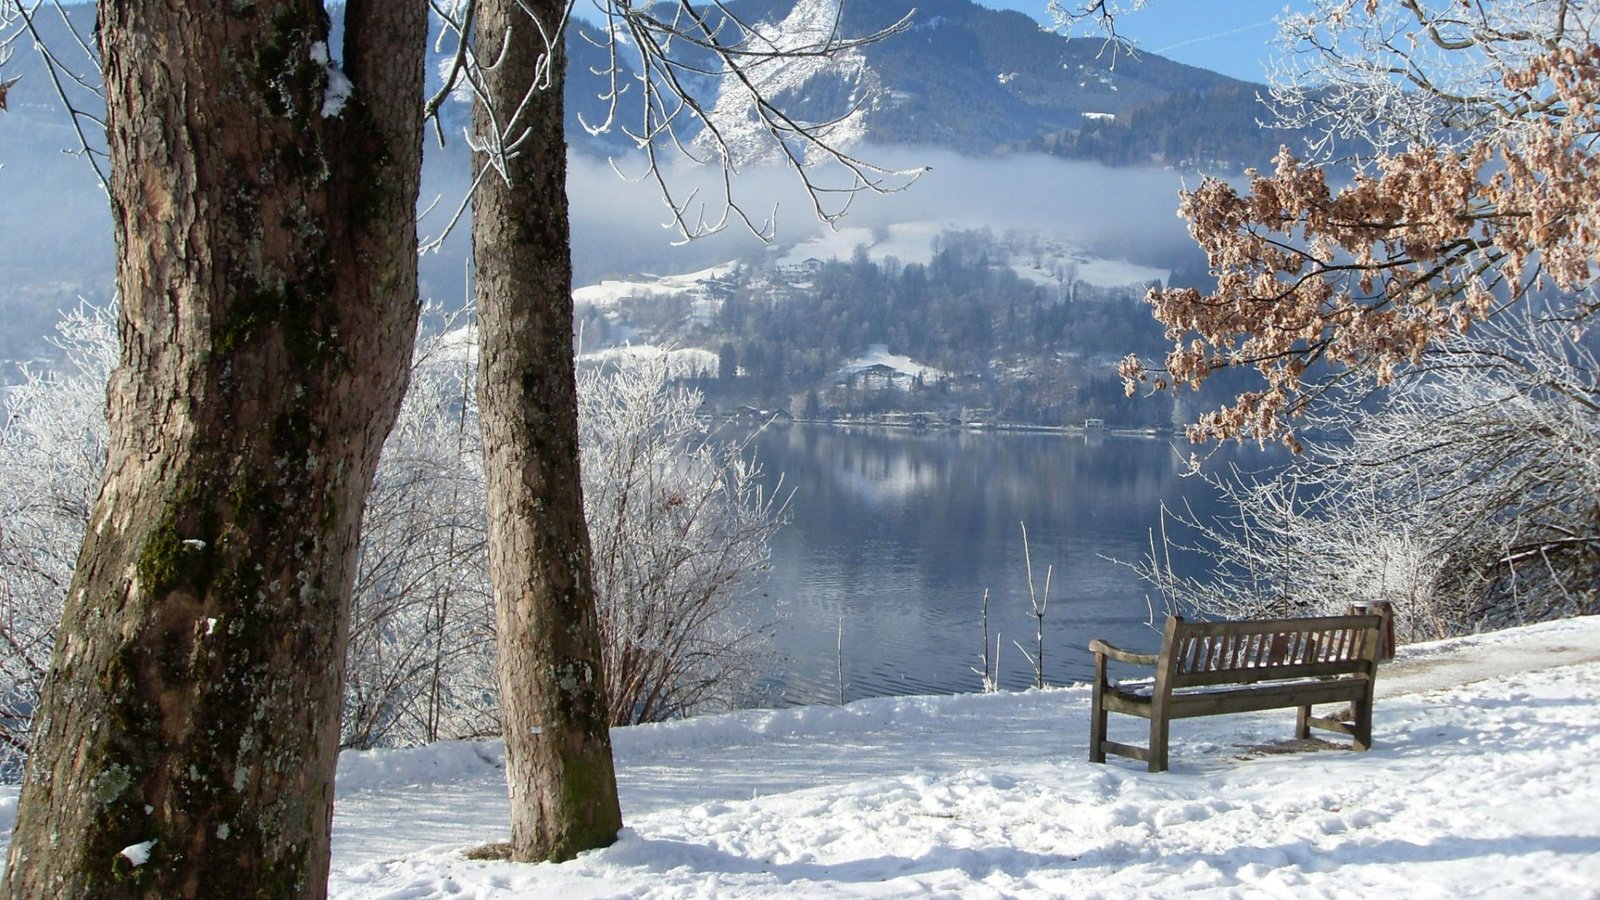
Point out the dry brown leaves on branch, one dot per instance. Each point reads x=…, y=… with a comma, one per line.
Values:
x=1366, y=277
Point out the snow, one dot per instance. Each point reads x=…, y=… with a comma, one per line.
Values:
x=829, y=244
x=809, y=26
x=138, y=854
x=1118, y=273
x=336, y=94
x=681, y=362
x=339, y=88
x=909, y=242
x=1484, y=782
x=609, y=293
x=991, y=795
x=879, y=355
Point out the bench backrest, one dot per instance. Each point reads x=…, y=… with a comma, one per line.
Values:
x=1242, y=652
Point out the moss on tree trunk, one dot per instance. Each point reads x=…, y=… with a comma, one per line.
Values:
x=552, y=689
x=187, y=736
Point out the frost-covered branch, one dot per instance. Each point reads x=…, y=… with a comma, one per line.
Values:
x=680, y=528
x=1464, y=495
x=74, y=72
x=697, y=83
x=1095, y=17
x=1403, y=72
x=679, y=522
x=1481, y=196
x=52, y=451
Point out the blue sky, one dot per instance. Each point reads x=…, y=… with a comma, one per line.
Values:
x=1228, y=36
x=1233, y=37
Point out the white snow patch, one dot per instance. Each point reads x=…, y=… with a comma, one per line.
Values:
x=704, y=299
x=686, y=362
x=912, y=242
x=138, y=854
x=443, y=762
x=1118, y=273
x=457, y=345
x=338, y=90
x=840, y=244
x=810, y=24
x=611, y=292
x=337, y=93
x=879, y=355
x=909, y=242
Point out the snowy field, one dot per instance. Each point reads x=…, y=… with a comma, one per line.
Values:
x=1485, y=782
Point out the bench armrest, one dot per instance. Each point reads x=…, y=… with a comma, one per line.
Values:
x=1101, y=648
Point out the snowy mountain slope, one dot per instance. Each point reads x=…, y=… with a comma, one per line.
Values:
x=971, y=79
x=829, y=93
x=979, y=80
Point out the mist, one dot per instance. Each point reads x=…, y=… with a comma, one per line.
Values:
x=56, y=245
x=1122, y=213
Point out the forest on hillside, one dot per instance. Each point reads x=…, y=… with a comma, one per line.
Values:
x=988, y=342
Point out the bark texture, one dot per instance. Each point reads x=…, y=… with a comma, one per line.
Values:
x=552, y=688
x=188, y=733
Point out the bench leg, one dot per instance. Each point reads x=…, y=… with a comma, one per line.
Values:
x=1361, y=720
x=1160, y=730
x=1302, y=724
x=1097, y=727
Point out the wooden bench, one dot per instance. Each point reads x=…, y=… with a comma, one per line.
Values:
x=1212, y=668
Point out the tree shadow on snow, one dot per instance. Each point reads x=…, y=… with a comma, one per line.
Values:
x=663, y=855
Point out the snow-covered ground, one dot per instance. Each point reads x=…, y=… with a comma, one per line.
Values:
x=681, y=362
x=1484, y=782
x=608, y=294
x=879, y=355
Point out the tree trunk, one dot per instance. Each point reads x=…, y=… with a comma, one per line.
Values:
x=552, y=690
x=187, y=736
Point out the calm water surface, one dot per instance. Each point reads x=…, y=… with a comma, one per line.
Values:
x=897, y=534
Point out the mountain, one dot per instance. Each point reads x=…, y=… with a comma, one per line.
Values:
x=959, y=77
x=961, y=83
x=980, y=81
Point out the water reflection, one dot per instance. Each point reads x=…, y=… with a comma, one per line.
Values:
x=898, y=534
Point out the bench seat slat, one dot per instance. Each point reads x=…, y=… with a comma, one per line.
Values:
x=1137, y=699
x=1260, y=697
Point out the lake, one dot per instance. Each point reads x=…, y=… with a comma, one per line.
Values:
x=896, y=534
